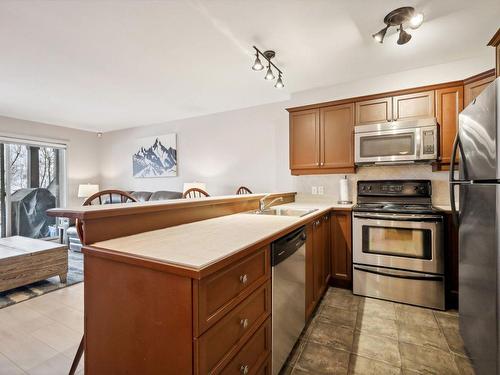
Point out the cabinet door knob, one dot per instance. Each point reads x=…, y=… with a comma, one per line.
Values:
x=243, y=279
x=244, y=369
x=244, y=323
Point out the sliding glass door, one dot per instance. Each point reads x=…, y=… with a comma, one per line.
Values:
x=32, y=180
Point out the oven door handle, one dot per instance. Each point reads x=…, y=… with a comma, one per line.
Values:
x=419, y=218
x=399, y=274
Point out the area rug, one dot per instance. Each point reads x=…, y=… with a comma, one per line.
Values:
x=75, y=275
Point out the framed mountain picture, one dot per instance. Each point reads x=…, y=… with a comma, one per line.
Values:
x=155, y=157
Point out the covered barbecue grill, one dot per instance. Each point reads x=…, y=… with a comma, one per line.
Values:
x=28, y=212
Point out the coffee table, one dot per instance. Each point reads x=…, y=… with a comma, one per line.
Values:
x=26, y=260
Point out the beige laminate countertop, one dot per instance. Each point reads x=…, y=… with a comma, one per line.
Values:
x=202, y=243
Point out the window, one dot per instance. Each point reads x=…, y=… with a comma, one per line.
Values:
x=32, y=180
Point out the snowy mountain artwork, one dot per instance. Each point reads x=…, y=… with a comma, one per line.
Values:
x=156, y=157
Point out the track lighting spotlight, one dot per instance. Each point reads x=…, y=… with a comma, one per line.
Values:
x=416, y=20
x=404, y=37
x=279, y=83
x=269, y=75
x=379, y=37
x=257, y=65
x=401, y=17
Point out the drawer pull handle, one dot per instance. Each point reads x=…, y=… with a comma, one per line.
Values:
x=244, y=323
x=243, y=279
x=244, y=369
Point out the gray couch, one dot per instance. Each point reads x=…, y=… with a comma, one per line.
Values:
x=72, y=238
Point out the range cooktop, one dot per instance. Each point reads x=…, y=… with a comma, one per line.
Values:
x=395, y=196
x=396, y=208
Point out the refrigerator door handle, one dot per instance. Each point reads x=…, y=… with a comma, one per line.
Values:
x=453, y=182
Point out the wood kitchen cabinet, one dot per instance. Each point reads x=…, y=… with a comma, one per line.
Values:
x=341, y=248
x=401, y=107
x=449, y=103
x=321, y=140
x=475, y=85
x=336, y=136
x=413, y=106
x=374, y=111
x=317, y=261
x=451, y=261
x=304, y=140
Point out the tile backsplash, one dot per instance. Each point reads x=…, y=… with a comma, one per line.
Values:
x=330, y=183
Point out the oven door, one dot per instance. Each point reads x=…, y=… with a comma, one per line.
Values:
x=403, y=241
x=399, y=145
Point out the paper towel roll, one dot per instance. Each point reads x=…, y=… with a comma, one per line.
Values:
x=344, y=190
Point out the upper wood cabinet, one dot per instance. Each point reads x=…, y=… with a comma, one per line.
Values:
x=321, y=140
x=336, y=134
x=473, y=89
x=413, y=106
x=374, y=111
x=304, y=139
x=401, y=107
x=449, y=103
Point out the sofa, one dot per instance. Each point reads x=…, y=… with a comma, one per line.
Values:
x=72, y=238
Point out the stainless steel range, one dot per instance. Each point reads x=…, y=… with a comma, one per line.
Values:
x=398, y=243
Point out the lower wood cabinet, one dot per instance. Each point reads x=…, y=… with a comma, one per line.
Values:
x=317, y=261
x=253, y=354
x=451, y=262
x=341, y=248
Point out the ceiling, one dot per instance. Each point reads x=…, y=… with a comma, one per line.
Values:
x=107, y=65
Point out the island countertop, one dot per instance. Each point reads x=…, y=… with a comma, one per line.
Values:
x=200, y=244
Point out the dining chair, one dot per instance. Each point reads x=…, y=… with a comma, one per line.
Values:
x=243, y=190
x=195, y=193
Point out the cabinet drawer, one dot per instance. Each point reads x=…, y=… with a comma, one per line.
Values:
x=224, y=339
x=266, y=368
x=222, y=291
x=253, y=354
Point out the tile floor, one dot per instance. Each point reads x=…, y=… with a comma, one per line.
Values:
x=41, y=335
x=365, y=336
x=348, y=335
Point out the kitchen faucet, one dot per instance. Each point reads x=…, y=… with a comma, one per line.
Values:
x=262, y=203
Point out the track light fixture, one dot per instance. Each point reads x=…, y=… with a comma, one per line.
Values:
x=398, y=18
x=258, y=66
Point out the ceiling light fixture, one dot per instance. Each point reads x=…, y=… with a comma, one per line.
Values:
x=404, y=37
x=258, y=66
x=398, y=18
x=279, y=83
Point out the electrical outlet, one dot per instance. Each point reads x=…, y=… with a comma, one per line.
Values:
x=321, y=190
x=314, y=190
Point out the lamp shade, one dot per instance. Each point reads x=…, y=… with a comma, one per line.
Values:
x=191, y=185
x=86, y=190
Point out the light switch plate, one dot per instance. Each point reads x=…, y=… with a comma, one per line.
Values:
x=321, y=190
x=314, y=190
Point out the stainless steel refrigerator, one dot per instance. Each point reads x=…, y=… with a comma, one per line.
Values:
x=477, y=149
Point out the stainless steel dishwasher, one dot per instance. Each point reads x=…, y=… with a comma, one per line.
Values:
x=288, y=260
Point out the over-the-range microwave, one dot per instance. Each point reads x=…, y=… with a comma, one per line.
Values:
x=396, y=142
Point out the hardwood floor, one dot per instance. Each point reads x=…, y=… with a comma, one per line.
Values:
x=41, y=335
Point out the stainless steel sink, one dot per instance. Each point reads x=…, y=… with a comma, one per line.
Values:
x=277, y=211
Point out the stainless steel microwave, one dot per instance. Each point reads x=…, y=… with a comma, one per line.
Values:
x=396, y=142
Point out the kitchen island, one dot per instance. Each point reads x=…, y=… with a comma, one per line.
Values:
x=192, y=297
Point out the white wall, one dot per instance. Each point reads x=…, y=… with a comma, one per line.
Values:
x=223, y=150
x=250, y=146
x=82, y=156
